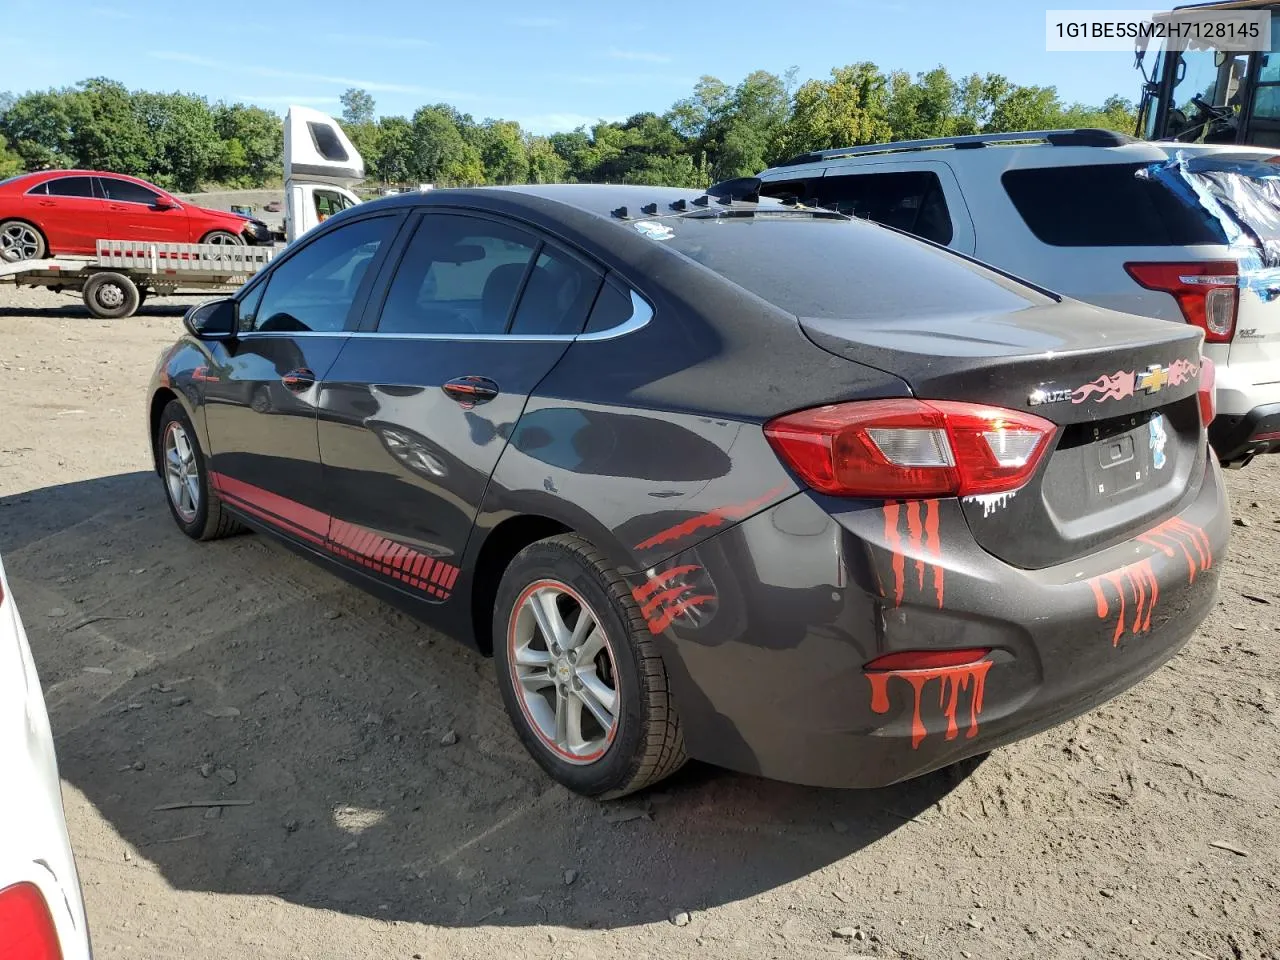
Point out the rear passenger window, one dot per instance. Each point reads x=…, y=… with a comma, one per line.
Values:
x=908, y=200
x=315, y=289
x=801, y=189
x=1105, y=205
x=71, y=187
x=557, y=296
x=459, y=275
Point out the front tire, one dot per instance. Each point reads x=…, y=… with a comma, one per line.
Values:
x=581, y=678
x=193, y=503
x=20, y=241
x=223, y=238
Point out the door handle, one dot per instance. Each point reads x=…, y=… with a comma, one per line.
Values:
x=48, y=203
x=470, y=390
x=298, y=380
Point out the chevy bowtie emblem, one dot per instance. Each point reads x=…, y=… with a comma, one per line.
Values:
x=1154, y=378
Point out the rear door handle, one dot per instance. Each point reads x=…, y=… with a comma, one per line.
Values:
x=471, y=390
x=298, y=380
x=48, y=203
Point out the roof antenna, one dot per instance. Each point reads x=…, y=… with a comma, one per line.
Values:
x=702, y=201
x=649, y=208
x=621, y=213
x=681, y=205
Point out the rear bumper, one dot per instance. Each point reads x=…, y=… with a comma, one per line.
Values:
x=1237, y=438
x=768, y=666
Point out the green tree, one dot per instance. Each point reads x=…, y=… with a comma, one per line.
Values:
x=439, y=154
x=253, y=145
x=10, y=162
x=503, y=152
x=744, y=133
x=185, y=147
x=848, y=109
x=106, y=133
x=1026, y=108
x=358, y=106
x=39, y=127
x=574, y=148
x=393, y=159
x=545, y=163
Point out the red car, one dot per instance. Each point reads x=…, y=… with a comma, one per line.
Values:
x=68, y=211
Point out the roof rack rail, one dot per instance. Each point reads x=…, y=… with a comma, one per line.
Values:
x=1084, y=137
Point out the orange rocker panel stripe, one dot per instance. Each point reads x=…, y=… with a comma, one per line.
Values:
x=347, y=540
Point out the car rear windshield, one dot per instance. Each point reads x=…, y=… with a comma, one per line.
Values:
x=1106, y=205
x=841, y=269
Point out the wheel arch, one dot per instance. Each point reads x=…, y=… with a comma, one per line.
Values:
x=160, y=399
x=492, y=557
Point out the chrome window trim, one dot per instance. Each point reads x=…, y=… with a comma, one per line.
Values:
x=641, y=314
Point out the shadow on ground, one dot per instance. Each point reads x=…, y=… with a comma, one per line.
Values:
x=74, y=308
x=234, y=671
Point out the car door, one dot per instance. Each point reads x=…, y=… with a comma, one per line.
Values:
x=418, y=408
x=70, y=212
x=260, y=389
x=135, y=212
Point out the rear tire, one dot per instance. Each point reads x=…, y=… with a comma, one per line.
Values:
x=611, y=670
x=111, y=296
x=20, y=241
x=192, y=501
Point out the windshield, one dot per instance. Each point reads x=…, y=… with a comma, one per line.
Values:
x=840, y=269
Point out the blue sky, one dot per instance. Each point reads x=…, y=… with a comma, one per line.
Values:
x=550, y=65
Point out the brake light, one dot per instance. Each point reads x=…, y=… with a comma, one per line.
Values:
x=27, y=928
x=910, y=448
x=927, y=659
x=1207, y=292
x=1208, y=392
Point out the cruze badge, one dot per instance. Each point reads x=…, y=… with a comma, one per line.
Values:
x=1120, y=385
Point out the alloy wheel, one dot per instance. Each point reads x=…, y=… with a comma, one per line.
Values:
x=181, y=472
x=19, y=242
x=564, y=672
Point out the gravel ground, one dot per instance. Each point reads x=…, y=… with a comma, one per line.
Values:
x=236, y=671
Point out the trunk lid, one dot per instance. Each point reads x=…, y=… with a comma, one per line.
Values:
x=1121, y=389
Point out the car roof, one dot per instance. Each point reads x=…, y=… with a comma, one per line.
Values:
x=1005, y=151
x=605, y=201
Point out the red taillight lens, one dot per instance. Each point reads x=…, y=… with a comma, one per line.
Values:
x=1208, y=393
x=910, y=448
x=927, y=659
x=1207, y=293
x=26, y=928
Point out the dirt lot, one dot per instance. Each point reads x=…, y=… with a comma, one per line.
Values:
x=176, y=671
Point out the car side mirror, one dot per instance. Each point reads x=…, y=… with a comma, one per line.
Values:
x=163, y=204
x=213, y=319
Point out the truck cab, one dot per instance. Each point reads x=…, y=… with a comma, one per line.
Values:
x=1204, y=94
x=321, y=167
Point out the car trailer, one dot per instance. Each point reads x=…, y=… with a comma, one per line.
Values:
x=117, y=281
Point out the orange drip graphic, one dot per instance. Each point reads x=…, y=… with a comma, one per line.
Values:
x=1187, y=537
x=1137, y=580
x=923, y=541
x=952, y=681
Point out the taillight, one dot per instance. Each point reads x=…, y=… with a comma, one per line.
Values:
x=927, y=659
x=1207, y=292
x=1207, y=394
x=910, y=448
x=26, y=928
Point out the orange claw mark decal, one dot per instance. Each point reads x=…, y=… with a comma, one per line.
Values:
x=924, y=542
x=712, y=518
x=952, y=681
x=1187, y=537
x=661, y=604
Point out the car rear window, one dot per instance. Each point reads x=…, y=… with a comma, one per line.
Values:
x=841, y=269
x=1106, y=205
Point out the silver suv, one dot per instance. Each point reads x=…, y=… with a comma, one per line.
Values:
x=1183, y=232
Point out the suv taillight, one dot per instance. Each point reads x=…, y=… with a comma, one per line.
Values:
x=26, y=928
x=911, y=448
x=1207, y=292
x=1207, y=392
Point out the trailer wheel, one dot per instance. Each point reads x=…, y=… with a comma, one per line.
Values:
x=110, y=296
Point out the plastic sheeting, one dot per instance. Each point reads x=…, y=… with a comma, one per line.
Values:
x=1243, y=196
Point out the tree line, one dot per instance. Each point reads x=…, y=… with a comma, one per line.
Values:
x=185, y=142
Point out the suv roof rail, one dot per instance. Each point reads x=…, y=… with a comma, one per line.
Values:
x=1083, y=137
